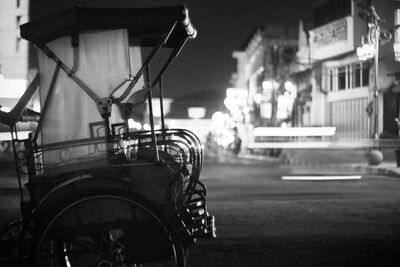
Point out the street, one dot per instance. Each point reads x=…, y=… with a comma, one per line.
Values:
x=293, y=105
x=263, y=220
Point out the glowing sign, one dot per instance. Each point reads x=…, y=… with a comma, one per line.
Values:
x=332, y=39
x=196, y=112
x=330, y=33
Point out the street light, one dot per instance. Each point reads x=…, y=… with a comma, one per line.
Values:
x=270, y=87
x=366, y=52
x=370, y=50
x=235, y=101
x=257, y=98
x=290, y=87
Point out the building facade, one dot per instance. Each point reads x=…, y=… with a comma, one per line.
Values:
x=13, y=53
x=356, y=96
x=267, y=57
x=333, y=86
x=13, y=49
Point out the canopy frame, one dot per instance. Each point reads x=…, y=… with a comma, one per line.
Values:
x=105, y=104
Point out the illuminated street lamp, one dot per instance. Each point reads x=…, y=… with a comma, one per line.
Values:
x=270, y=87
x=235, y=101
x=290, y=87
x=368, y=51
x=371, y=51
x=257, y=98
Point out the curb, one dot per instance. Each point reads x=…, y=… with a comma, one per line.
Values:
x=285, y=161
x=379, y=171
x=242, y=160
x=353, y=167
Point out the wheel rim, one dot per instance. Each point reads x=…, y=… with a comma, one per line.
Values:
x=108, y=230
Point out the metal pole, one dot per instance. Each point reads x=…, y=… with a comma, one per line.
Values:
x=14, y=139
x=162, y=115
x=274, y=104
x=376, y=87
x=69, y=72
x=151, y=116
x=46, y=103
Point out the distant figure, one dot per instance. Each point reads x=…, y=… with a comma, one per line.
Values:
x=237, y=142
x=211, y=144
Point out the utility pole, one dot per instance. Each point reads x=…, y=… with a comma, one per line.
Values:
x=374, y=34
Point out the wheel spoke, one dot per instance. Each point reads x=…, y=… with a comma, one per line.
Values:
x=136, y=237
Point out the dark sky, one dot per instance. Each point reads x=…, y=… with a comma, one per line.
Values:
x=223, y=27
x=206, y=63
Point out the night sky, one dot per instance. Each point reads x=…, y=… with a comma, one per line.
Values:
x=206, y=63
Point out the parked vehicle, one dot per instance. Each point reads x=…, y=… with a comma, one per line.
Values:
x=99, y=193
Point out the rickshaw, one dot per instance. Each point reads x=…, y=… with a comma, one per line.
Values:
x=101, y=193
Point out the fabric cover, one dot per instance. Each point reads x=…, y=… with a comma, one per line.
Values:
x=103, y=65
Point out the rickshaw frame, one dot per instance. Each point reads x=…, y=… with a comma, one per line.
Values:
x=189, y=219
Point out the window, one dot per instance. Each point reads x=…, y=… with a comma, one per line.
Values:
x=356, y=76
x=365, y=74
x=348, y=77
x=342, y=78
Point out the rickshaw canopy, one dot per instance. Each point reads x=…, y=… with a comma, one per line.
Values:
x=145, y=25
x=91, y=59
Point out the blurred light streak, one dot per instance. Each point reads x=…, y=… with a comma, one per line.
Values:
x=321, y=178
x=294, y=131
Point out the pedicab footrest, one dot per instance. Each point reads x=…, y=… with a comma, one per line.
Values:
x=211, y=231
x=196, y=217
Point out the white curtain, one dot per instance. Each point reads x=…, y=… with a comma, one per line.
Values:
x=103, y=64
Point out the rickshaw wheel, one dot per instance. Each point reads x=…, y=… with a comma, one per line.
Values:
x=111, y=228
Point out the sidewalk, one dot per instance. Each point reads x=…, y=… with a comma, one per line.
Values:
x=341, y=159
x=352, y=160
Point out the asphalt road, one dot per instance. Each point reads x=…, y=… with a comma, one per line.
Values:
x=263, y=220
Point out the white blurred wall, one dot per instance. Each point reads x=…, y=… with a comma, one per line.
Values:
x=199, y=127
x=13, y=49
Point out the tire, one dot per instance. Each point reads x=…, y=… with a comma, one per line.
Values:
x=107, y=227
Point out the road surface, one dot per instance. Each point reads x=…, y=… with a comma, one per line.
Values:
x=263, y=220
